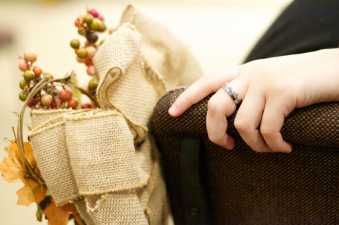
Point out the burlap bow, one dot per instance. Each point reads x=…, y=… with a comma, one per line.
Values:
x=105, y=161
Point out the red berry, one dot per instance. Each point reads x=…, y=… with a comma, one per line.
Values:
x=53, y=105
x=88, y=62
x=91, y=70
x=100, y=17
x=87, y=106
x=73, y=103
x=78, y=22
x=23, y=66
x=93, y=12
x=110, y=30
x=32, y=102
x=57, y=102
x=65, y=95
x=37, y=71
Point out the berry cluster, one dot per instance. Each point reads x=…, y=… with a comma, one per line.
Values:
x=31, y=74
x=89, y=26
x=57, y=95
x=51, y=96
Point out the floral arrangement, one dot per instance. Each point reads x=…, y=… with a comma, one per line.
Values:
x=40, y=90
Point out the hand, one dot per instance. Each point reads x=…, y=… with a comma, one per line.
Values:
x=270, y=89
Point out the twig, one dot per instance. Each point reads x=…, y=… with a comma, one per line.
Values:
x=84, y=92
x=14, y=134
x=66, y=79
x=19, y=132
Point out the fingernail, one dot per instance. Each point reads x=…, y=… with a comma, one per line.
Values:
x=230, y=143
x=172, y=110
x=289, y=149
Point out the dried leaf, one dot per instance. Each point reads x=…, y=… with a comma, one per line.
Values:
x=25, y=196
x=57, y=215
x=31, y=192
x=75, y=214
x=73, y=83
x=10, y=167
x=78, y=220
x=28, y=152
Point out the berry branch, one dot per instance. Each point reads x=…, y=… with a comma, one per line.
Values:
x=89, y=26
x=50, y=96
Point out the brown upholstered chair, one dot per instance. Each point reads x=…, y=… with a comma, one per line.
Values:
x=211, y=185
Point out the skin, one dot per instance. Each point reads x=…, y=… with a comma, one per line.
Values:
x=270, y=89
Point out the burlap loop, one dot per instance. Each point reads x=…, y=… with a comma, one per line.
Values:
x=101, y=152
x=129, y=84
x=50, y=150
x=120, y=208
x=87, y=152
x=123, y=78
x=163, y=51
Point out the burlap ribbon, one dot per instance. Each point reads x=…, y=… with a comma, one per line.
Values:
x=105, y=161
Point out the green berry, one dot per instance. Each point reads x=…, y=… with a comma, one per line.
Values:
x=75, y=43
x=96, y=24
x=81, y=53
x=92, y=84
x=48, y=76
x=101, y=42
x=82, y=31
x=102, y=27
x=29, y=75
x=23, y=84
x=22, y=96
x=88, y=18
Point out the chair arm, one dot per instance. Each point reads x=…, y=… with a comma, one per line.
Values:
x=316, y=125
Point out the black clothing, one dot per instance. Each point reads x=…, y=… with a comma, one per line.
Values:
x=304, y=26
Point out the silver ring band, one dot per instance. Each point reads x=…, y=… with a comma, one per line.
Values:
x=234, y=95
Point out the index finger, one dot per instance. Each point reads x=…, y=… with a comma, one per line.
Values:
x=197, y=91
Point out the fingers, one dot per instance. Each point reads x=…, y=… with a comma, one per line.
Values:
x=271, y=124
x=261, y=107
x=220, y=105
x=199, y=90
x=248, y=119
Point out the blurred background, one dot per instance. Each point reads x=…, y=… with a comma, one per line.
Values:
x=219, y=32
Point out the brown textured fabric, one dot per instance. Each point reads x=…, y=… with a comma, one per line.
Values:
x=247, y=188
